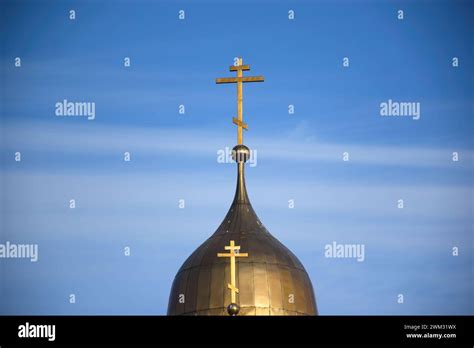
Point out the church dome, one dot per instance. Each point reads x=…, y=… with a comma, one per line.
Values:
x=242, y=269
x=271, y=280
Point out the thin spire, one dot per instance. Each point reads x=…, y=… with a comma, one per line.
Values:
x=241, y=196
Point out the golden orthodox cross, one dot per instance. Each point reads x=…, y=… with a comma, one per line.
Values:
x=234, y=252
x=240, y=68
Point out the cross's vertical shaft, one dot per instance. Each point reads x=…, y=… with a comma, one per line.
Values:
x=239, y=102
x=232, y=277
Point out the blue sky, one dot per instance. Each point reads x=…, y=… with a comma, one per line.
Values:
x=174, y=156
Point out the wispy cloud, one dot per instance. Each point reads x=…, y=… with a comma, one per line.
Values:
x=92, y=138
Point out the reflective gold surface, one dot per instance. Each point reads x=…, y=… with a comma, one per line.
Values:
x=271, y=280
x=268, y=279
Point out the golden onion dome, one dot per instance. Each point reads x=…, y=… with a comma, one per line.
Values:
x=270, y=279
x=242, y=269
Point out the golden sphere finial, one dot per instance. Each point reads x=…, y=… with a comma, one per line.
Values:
x=240, y=153
x=233, y=309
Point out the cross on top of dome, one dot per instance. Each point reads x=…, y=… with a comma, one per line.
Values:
x=239, y=68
